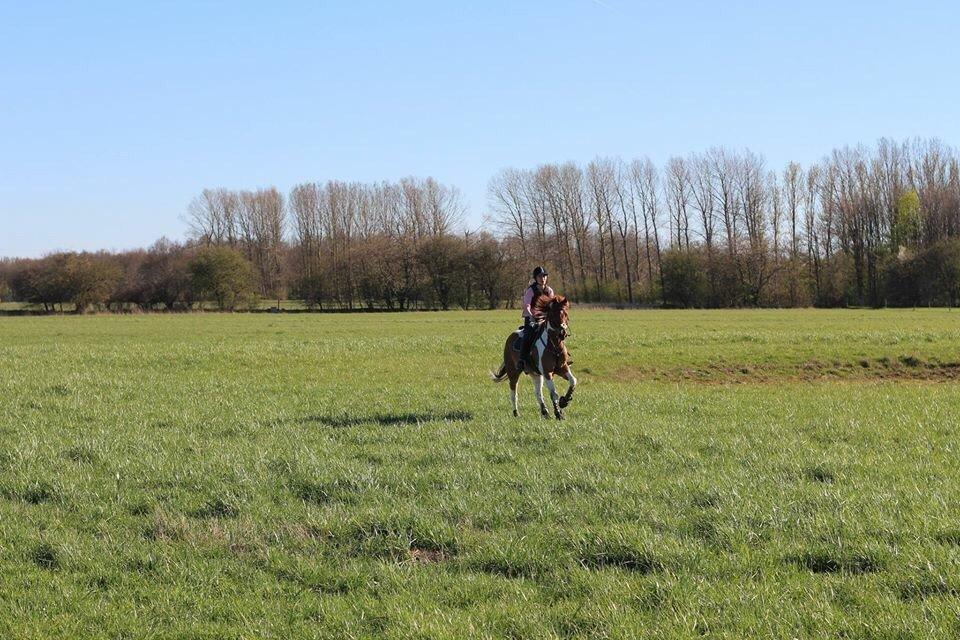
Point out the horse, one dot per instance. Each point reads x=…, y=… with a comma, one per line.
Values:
x=548, y=357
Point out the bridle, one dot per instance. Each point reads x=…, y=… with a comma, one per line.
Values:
x=560, y=331
x=556, y=335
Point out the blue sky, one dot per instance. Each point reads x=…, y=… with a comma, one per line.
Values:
x=114, y=114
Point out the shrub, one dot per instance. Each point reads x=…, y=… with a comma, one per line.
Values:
x=222, y=275
x=684, y=284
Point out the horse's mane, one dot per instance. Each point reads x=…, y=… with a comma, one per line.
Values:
x=543, y=302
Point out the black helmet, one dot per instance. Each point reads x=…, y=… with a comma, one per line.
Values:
x=539, y=271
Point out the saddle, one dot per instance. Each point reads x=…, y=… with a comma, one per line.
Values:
x=537, y=332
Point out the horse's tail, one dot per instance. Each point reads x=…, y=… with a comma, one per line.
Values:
x=501, y=375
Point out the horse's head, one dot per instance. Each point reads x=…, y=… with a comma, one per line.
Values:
x=558, y=316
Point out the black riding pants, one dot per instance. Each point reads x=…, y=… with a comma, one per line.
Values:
x=529, y=329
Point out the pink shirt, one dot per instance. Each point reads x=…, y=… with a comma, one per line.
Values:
x=528, y=300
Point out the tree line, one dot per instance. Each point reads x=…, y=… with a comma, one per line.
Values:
x=335, y=245
x=863, y=226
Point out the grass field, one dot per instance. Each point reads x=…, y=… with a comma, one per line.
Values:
x=784, y=474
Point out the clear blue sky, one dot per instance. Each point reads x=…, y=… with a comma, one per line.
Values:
x=114, y=114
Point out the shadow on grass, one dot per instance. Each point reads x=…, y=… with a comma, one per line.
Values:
x=45, y=556
x=837, y=561
x=387, y=419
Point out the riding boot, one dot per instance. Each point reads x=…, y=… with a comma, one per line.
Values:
x=526, y=338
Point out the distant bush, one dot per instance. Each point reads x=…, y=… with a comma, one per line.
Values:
x=82, y=279
x=164, y=278
x=684, y=284
x=930, y=277
x=222, y=275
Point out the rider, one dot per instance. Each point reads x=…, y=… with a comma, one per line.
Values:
x=536, y=289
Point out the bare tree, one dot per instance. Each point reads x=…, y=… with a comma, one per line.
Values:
x=507, y=194
x=212, y=217
x=627, y=207
x=261, y=223
x=725, y=169
x=678, y=198
x=601, y=178
x=646, y=182
x=793, y=194
x=702, y=192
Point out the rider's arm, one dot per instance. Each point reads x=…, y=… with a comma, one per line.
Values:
x=527, y=301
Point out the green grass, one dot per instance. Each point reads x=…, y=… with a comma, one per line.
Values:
x=728, y=473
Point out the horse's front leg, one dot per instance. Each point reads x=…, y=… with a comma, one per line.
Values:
x=557, y=411
x=538, y=391
x=568, y=396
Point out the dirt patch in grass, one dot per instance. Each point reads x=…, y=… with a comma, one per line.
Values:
x=166, y=527
x=427, y=556
x=903, y=367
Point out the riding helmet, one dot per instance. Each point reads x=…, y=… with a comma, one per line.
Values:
x=539, y=271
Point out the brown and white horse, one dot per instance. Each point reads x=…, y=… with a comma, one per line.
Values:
x=548, y=357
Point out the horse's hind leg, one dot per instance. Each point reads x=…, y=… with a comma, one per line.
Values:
x=513, y=395
x=538, y=391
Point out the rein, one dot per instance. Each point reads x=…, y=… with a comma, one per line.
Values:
x=554, y=343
